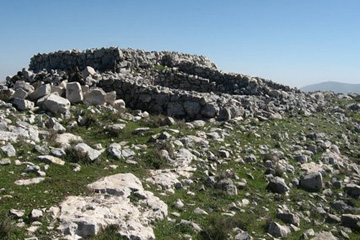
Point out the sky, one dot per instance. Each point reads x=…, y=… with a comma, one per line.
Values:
x=295, y=43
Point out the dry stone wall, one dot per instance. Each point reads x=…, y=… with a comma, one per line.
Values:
x=176, y=84
x=111, y=59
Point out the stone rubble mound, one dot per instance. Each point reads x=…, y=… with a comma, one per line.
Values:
x=180, y=85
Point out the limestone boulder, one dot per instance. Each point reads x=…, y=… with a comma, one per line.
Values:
x=23, y=104
x=41, y=91
x=91, y=153
x=210, y=110
x=56, y=104
x=65, y=139
x=88, y=71
x=20, y=93
x=74, y=92
x=312, y=181
x=353, y=190
x=110, y=97
x=112, y=204
x=278, y=230
x=277, y=185
x=351, y=221
x=119, y=105
x=95, y=96
x=24, y=85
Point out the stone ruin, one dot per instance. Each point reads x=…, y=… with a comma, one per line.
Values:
x=170, y=83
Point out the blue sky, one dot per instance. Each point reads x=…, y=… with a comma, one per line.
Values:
x=291, y=42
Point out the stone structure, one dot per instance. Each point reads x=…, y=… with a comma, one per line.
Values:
x=175, y=84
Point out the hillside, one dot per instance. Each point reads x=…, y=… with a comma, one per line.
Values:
x=127, y=144
x=336, y=87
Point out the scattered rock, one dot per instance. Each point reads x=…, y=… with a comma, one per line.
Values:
x=56, y=104
x=312, y=181
x=85, y=149
x=51, y=159
x=277, y=185
x=278, y=230
x=112, y=205
x=25, y=182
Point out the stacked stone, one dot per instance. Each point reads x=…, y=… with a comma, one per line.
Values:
x=176, y=84
x=111, y=59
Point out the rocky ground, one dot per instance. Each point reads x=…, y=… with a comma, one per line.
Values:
x=84, y=166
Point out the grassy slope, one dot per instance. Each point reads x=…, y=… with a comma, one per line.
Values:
x=61, y=181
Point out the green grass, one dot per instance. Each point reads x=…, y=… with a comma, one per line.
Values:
x=62, y=181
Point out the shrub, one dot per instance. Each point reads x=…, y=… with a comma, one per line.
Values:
x=6, y=226
x=219, y=227
x=77, y=157
x=111, y=232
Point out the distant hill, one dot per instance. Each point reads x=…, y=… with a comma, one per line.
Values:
x=337, y=87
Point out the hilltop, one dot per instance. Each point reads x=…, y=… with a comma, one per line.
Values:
x=128, y=144
x=336, y=87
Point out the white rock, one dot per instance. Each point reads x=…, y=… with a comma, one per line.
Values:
x=36, y=214
x=312, y=181
x=95, y=96
x=9, y=150
x=74, y=92
x=66, y=139
x=324, y=236
x=200, y=211
x=112, y=205
x=41, y=91
x=51, y=159
x=24, y=182
x=5, y=161
x=24, y=85
x=55, y=212
x=179, y=204
x=119, y=105
x=20, y=93
x=278, y=230
x=86, y=149
x=88, y=71
x=17, y=213
x=56, y=104
x=23, y=104
x=110, y=97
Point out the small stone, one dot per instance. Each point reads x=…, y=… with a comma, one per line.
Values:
x=51, y=159
x=17, y=213
x=119, y=105
x=200, y=211
x=5, y=161
x=86, y=149
x=179, y=204
x=36, y=214
x=24, y=182
x=58, y=152
x=9, y=150
x=224, y=153
x=278, y=230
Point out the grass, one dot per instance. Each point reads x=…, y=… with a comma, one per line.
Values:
x=62, y=181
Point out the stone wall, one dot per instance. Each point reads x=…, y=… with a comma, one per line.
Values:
x=112, y=59
x=176, y=84
x=172, y=102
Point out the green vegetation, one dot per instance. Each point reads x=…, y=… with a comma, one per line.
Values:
x=242, y=139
